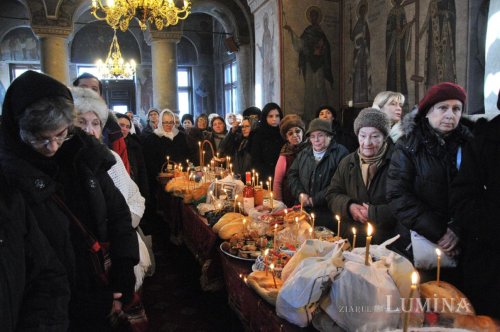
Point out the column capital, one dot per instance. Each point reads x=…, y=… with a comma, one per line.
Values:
x=173, y=36
x=52, y=31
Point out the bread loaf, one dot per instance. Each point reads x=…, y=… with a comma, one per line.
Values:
x=230, y=229
x=449, y=300
x=226, y=219
x=476, y=323
x=264, y=285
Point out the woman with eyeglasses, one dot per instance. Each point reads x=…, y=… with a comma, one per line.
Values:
x=238, y=143
x=62, y=174
x=292, y=130
x=313, y=169
x=357, y=190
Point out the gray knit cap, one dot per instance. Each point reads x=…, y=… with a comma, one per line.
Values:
x=372, y=117
x=321, y=125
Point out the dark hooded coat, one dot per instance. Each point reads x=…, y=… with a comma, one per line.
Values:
x=78, y=175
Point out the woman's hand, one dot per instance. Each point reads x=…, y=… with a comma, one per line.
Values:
x=448, y=242
x=358, y=212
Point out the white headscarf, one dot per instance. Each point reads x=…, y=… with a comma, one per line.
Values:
x=160, y=132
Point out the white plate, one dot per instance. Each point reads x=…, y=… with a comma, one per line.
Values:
x=234, y=256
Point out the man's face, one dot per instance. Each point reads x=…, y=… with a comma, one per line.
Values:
x=90, y=83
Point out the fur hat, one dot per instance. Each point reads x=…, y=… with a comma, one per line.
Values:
x=372, y=117
x=290, y=121
x=320, y=124
x=440, y=92
x=87, y=100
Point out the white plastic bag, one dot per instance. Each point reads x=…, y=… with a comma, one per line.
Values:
x=228, y=187
x=424, y=253
x=299, y=296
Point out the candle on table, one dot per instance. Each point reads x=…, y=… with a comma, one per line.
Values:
x=271, y=200
x=256, y=179
x=414, y=283
x=231, y=167
x=312, y=222
x=266, y=252
x=203, y=158
x=239, y=207
x=244, y=225
x=311, y=234
x=286, y=212
x=353, y=237
x=369, y=232
x=301, y=203
x=235, y=201
x=275, y=233
x=271, y=267
x=199, y=153
x=338, y=224
x=271, y=183
x=438, y=253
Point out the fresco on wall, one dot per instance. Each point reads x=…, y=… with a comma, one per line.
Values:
x=145, y=79
x=414, y=44
x=398, y=47
x=311, y=55
x=267, y=54
x=20, y=45
x=204, y=94
x=440, y=28
x=315, y=62
x=361, y=70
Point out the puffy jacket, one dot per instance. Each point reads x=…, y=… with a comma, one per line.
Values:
x=305, y=176
x=418, y=182
x=347, y=187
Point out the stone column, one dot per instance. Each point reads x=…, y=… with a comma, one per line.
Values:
x=54, y=57
x=164, y=66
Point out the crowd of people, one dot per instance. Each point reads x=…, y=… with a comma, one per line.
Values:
x=73, y=175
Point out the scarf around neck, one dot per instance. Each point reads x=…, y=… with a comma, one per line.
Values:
x=370, y=165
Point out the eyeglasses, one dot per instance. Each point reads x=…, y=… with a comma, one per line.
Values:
x=167, y=122
x=39, y=143
x=291, y=132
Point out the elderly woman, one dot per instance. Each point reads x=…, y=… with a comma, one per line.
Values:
x=313, y=169
x=152, y=120
x=342, y=136
x=237, y=145
x=391, y=103
x=62, y=174
x=292, y=130
x=357, y=191
x=187, y=121
x=424, y=163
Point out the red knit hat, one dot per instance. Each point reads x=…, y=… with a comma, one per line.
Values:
x=440, y=92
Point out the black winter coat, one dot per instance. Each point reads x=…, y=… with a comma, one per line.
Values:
x=238, y=148
x=138, y=171
x=347, y=187
x=475, y=200
x=78, y=175
x=419, y=178
x=34, y=288
x=305, y=176
x=266, y=147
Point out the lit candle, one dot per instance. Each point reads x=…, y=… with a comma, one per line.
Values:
x=235, y=200
x=187, y=162
x=231, y=168
x=311, y=233
x=438, y=253
x=414, y=282
x=244, y=225
x=239, y=207
x=312, y=222
x=266, y=252
x=271, y=200
x=301, y=203
x=271, y=183
x=286, y=212
x=369, y=232
x=256, y=179
x=271, y=267
x=275, y=239
x=199, y=153
x=203, y=158
x=338, y=224
x=353, y=238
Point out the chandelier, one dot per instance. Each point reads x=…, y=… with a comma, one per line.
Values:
x=161, y=13
x=115, y=67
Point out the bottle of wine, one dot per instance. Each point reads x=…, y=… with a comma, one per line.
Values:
x=248, y=194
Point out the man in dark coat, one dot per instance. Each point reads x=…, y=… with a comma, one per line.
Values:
x=475, y=200
x=34, y=288
x=49, y=161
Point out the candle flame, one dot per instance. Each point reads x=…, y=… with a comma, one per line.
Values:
x=310, y=230
x=266, y=252
x=236, y=197
x=438, y=252
x=296, y=219
x=271, y=267
x=337, y=217
x=275, y=226
x=286, y=212
x=354, y=230
x=244, y=221
x=313, y=216
x=369, y=230
x=414, y=278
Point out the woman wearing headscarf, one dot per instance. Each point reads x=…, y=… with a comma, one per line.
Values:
x=391, y=103
x=425, y=161
x=237, y=144
x=313, y=169
x=357, y=190
x=292, y=130
x=267, y=142
x=62, y=174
